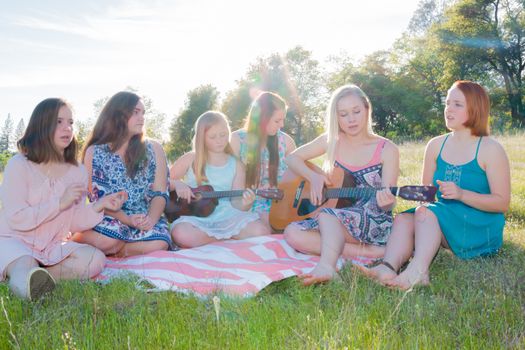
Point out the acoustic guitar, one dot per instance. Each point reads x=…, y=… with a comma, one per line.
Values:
x=206, y=199
x=296, y=204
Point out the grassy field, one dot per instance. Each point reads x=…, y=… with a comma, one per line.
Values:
x=477, y=304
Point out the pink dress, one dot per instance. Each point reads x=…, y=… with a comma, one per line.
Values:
x=31, y=222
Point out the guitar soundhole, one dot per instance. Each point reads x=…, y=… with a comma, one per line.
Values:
x=298, y=193
x=306, y=207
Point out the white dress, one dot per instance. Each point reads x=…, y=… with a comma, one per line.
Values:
x=226, y=221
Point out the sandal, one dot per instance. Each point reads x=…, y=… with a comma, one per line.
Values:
x=389, y=266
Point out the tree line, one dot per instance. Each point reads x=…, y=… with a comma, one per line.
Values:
x=446, y=40
x=479, y=40
x=8, y=137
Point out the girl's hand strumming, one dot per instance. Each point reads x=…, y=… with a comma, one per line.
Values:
x=248, y=197
x=317, y=183
x=183, y=191
x=385, y=199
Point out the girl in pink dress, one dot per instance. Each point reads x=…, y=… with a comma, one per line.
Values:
x=43, y=201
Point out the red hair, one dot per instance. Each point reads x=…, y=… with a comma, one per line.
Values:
x=478, y=107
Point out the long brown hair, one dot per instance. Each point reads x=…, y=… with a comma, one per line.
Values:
x=261, y=111
x=112, y=128
x=38, y=143
x=202, y=125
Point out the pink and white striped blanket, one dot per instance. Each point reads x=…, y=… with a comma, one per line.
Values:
x=239, y=268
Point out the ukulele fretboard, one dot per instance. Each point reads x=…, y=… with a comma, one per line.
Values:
x=221, y=194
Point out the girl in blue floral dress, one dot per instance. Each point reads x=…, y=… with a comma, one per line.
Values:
x=262, y=147
x=349, y=143
x=119, y=159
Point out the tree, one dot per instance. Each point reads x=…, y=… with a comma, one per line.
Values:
x=490, y=36
x=296, y=76
x=5, y=135
x=4, y=158
x=20, y=130
x=155, y=120
x=99, y=104
x=199, y=100
x=82, y=131
x=400, y=101
x=428, y=13
x=307, y=93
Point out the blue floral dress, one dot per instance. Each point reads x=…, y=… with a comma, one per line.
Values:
x=109, y=175
x=261, y=204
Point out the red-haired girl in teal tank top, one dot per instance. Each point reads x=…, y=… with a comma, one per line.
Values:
x=470, y=232
x=473, y=176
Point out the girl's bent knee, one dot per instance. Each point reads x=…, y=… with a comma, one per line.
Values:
x=90, y=262
x=423, y=213
x=184, y=239
x=110, y=248
x=292, y=235
x=97, y=263
x=324, y=216
x=159, y=245
x=403, y=218
x=179, y=236
x=260, y=229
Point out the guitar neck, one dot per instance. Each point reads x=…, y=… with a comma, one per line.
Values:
x=221, y=194
x=355, y=192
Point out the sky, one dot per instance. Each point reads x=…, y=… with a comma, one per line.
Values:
x=85, y=50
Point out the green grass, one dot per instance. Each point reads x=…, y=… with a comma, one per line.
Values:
x=478, y=304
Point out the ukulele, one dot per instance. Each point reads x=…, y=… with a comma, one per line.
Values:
x=341, y=194
x=206, y=199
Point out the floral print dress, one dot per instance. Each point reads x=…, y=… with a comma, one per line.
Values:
x=364, y=220
x=109, y=175
x=261, y=205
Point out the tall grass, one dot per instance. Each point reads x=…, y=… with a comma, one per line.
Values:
x=478, y=304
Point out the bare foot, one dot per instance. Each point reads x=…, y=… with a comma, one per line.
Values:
x=409, y=278
x=321, y=273
x=379, y=273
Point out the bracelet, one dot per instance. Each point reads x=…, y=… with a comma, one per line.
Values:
x=152, y=194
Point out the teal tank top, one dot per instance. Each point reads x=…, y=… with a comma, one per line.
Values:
x=470, y=232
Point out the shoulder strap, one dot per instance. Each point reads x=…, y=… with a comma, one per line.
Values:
x=377, y=153
x=376, y=157
x=381, y=145
x=443, y=144
x=477, y=148
x=232, y=161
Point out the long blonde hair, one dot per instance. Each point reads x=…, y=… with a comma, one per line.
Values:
x=332, y=124
x=202, y=125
